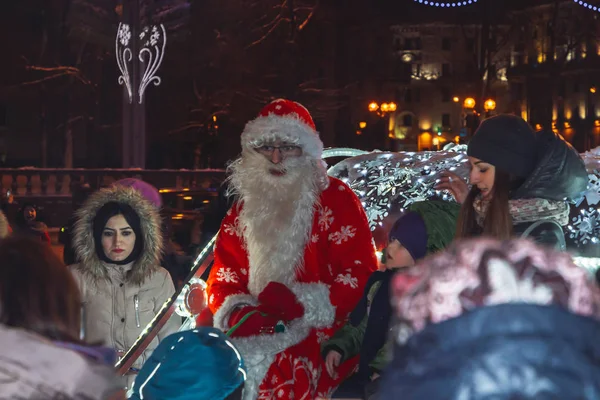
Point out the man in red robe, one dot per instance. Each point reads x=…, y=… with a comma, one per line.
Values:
x=291, y=259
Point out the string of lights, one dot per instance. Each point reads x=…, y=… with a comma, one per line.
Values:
x=587, y=5
x=446, y=4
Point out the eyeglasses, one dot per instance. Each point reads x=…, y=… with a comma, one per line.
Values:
x=284, y=150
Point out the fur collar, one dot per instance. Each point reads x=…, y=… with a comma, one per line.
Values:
x=83, y=238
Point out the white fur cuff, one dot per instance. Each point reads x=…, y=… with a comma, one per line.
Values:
x=221, y=317
x=318, y=310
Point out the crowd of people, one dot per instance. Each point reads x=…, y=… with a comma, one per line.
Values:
x=472, y=299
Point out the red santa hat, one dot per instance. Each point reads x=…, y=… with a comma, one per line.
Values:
x=288, y=121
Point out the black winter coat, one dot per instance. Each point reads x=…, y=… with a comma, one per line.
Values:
x=559, y=174
x=509, y=351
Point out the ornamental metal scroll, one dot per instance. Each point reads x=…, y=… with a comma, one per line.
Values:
x=153, y=41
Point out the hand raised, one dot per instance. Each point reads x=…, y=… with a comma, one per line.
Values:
x=454, y=184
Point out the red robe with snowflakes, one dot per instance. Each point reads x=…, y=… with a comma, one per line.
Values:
x=338, y=261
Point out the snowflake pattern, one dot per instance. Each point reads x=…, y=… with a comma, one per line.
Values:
x=298, y=365
x=345, y=233
x=314, y=238
x=325, y=218
x=124, y=34
x=585, y=227
x=592, y=194
x=322, y=337
x=230, y=229
x=211, y=299
x=244, y=271
x=227, y=275
x=347, y=279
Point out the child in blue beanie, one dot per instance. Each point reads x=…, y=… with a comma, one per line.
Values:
x=425, y=228
x=197, y=364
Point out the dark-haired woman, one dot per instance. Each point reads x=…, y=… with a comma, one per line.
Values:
x=118, y=241
x=520, y=181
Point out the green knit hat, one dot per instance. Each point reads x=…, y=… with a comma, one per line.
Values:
x=440, y=219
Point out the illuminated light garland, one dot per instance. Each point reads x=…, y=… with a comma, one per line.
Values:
x=443, y=4
x=153, y=41
x=587, y=5
x=342, y=152
x=384, y=180
x=169, y=303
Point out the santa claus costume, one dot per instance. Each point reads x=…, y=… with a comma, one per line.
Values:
x=291, y=259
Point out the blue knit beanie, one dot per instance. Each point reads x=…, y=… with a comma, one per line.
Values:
x=197, y=364
x=411, y=232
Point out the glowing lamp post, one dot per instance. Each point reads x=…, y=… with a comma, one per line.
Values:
x=469, y=102
x=382, y=109
x=489, y=105
x=385, y=110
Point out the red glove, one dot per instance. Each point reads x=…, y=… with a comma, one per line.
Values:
x=256, y=323
x=205, y=318
x=278, y=300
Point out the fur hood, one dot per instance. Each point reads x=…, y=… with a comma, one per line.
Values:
x=83, y=237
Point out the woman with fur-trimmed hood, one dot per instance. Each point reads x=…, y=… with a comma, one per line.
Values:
x=118, y=242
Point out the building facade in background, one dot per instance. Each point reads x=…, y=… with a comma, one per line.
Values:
x=447, y=68
x=554, y=70
x=540, y=61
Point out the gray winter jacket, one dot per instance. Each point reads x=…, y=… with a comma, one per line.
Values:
x=119, y=301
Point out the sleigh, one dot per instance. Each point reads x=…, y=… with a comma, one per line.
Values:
x=386, y=183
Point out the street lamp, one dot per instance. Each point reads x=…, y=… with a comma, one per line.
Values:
x=382, y=109
x=455, y=99
x=489, y=105
x=469, y=102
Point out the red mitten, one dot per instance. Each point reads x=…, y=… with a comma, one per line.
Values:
x=205, y=318
x=249, y=321
x=278, y=300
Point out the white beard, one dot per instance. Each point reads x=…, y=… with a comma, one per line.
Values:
x=277, y=215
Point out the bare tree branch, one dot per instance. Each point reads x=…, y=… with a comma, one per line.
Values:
x=266, y=35
x=38, y=81
x=308, y=18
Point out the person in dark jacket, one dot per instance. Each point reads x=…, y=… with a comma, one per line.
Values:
x=489, y=319
x=28, y=224
x=427, y=227
x=520, y=180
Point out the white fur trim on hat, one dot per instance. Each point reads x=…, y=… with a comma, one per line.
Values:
x=289, y=128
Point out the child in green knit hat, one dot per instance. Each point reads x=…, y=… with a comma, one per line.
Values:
x=425, y=228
